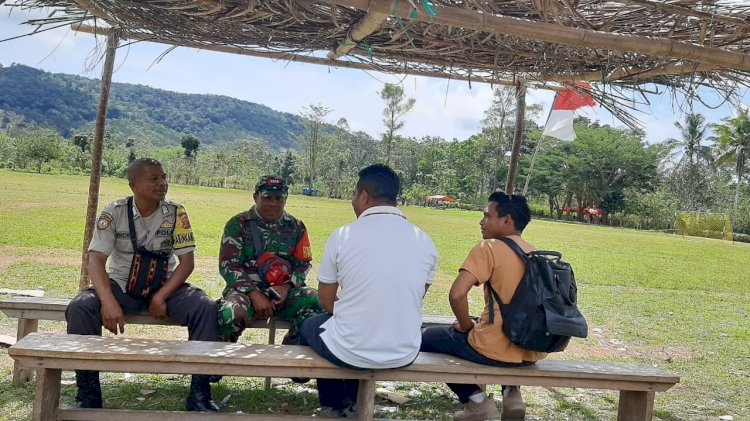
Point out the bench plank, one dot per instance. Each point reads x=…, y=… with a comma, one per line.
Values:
x=139, y=415
x=54, y=309
x=123, y=354
x=50, y=353
x=29, y=310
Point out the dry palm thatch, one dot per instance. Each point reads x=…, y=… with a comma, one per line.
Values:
x=621, y=45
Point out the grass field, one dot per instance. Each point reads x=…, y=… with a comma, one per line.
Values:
x=682, y=304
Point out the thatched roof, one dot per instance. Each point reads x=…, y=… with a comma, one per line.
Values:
x=625, y=43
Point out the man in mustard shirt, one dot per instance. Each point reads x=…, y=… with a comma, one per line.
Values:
x=492, y=261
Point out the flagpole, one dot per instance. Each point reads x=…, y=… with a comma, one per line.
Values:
x=536, y=150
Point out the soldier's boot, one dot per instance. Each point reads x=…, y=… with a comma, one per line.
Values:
x=199, y=397
x=89, y=390
x=233, y=338
x=294, y=340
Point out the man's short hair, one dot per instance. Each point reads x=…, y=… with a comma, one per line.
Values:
x=135, y=169
x=514, y=205
x=381, y=183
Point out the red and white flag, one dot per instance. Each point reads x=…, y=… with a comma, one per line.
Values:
x=560, y=121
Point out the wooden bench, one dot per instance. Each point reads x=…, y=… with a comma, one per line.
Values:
x=52, y=353
x=29, y=310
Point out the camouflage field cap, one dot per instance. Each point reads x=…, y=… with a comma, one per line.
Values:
x=271, y=185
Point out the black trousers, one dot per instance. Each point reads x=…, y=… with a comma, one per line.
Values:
x=446, y=340
x=189, y=306
x=333, y=393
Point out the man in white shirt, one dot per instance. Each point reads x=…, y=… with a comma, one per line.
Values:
x=383, y=265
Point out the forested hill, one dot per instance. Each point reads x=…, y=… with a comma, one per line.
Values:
x=68, y=102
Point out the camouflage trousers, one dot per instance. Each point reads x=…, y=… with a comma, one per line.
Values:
x=236, y=313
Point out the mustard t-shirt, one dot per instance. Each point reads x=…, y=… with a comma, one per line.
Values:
x=492, y=260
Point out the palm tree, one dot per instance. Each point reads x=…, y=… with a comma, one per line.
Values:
x=692, y=133
x=733, y=139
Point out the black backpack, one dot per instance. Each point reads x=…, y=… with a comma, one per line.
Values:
x=542, y=314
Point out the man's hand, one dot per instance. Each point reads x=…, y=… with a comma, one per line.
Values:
x=113, y=317
x=157, y=307
x=261, y=304
x=283, y=291
x=463, y=329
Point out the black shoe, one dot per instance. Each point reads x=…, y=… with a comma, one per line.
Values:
x=300, y=380
x=89, y=390
x=215, y=378
x=199, y=398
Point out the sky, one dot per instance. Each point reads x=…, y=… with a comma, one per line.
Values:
x=450, y=109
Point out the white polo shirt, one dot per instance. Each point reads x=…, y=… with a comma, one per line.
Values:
x=382, y=263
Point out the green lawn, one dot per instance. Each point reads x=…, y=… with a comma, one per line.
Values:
x=650, y=298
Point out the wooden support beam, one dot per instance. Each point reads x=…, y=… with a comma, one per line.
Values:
x=95, y=10
x=633, y=73
x=684, y=11
x=554, y=33
x=20, y=374
x=47, y=400
x=365, y=400
x=635, y=405
x=308, y=59
x=515, y=155
x=359, y=31
x=113, y=39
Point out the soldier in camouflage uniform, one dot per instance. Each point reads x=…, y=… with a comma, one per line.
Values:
x=249, y=293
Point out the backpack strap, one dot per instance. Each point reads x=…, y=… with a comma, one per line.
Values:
x=513, y=246
x=493, y=297
x=493, y=294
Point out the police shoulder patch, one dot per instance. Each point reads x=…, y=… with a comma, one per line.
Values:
x=104, y=220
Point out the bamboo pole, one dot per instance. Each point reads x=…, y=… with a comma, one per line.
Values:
x=95, y=10
x=358, y=32
x=550, y=32
x=536, y=151
x=533, y=160
x=79, y=27
x=515, y=156
x=673, y=8
x=96, y=155
x=633, y=73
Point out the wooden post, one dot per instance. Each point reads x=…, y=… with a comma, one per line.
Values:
x=510, y=184
x=20, y=374
x=366, y=400
x=96, y=155
x=47, y=399
x=271, y=341
x=635, y=406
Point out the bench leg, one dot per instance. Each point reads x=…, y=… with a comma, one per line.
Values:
x=21, y=375
x=47, y=398
x=366, y=400
x=271, y=341
x=635, y=406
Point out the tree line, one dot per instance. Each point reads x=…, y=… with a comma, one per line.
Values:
x=67, y=103
x=635, y=184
